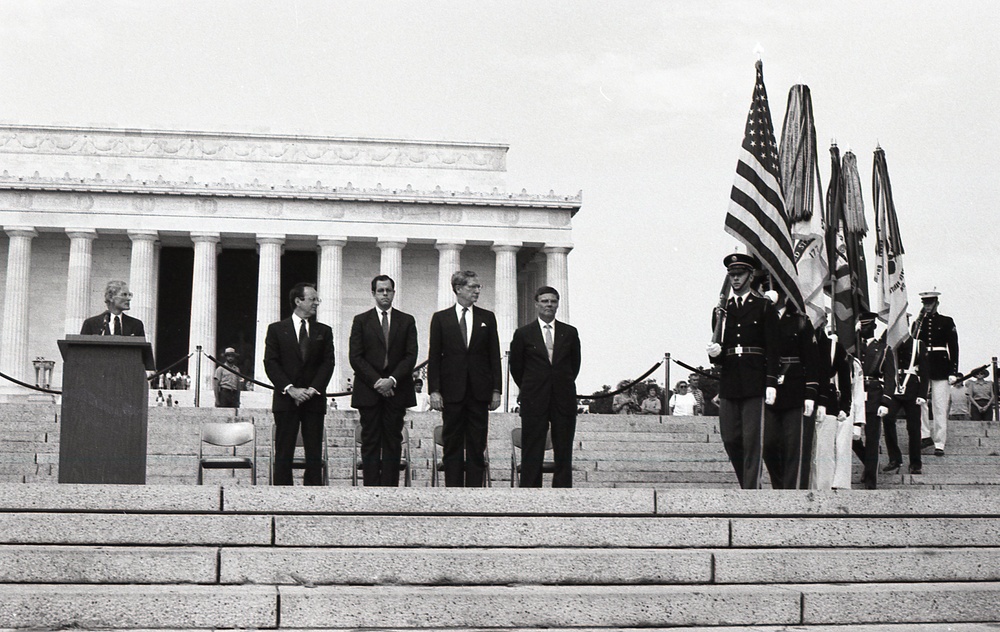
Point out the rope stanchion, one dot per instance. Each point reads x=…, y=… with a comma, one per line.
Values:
x=25, y=385
x=624, y=388
x=268, y=386
x=696, y=370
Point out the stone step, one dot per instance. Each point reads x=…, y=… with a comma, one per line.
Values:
x=139, y=529
x=105, y=564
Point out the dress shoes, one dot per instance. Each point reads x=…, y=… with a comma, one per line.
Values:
x=892, y=467
x=916, y=470
x=926, y=442
x=938, y=452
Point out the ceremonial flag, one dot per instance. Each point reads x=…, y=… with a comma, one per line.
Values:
x=799, y=175
x=756, y=213
x=890, y=282
x=841, y=289
x=856, y=228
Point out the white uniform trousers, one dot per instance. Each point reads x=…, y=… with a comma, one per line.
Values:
x=937, y=428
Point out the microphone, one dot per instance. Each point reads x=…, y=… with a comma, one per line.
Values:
x=107, y=322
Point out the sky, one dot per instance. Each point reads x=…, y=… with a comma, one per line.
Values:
x=641, y=105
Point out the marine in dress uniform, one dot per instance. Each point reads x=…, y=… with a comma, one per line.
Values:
x=873, y=354
x=939, y=336
x=747, y=357
x=832, y=446
x=906, y=389
x=796, y=397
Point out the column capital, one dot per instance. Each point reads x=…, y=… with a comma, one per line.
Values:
x=81, y=233
x=143, y=235
x=212, y=238
x=270, y=239
x=557, y=248
x=21, y=231
x=450, y=244
x=331, y=240
x=506, y=246
x=391, y=242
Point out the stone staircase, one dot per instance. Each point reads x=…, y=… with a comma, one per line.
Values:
x=610, y=451
x=220, y=557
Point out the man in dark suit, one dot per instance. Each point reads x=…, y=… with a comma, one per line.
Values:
x=464, y=379
x=544, y=362
x=906, y=385
x=747, y=357
x=298, y=359
x=383, y=352
x=114, y=321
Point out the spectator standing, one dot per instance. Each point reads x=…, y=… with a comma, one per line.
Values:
x=652, y=405
x=683, y=403
x=958, y=408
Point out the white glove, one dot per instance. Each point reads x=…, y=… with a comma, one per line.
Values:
x=770, y=394
x=841, y=416
x=952, y=379
x=807, y=407
x=714, y=349
x=820, y=412
x=882, y=411
x=921, y=401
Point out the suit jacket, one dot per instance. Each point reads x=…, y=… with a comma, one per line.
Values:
x=797, y=372
x=451, y=367
x=368, y=354
x=546, y=387
x=939, y=336
x=285, y=365
x=101, y=324
x=755, y=324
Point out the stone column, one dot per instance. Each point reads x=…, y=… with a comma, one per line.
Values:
x=155, y=300
x=392, y=264
x=141, y=278
x=203, y=309
x=330, y=288
x=78, y=299
x=449, y=262
x=268, y=296
x=557, y=276
x=14, y=329
x=505, y=299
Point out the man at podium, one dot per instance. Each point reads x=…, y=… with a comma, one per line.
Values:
x=114, y=321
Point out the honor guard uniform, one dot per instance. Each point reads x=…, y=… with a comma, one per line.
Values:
x=746, y=352
x=939, y=336
x=795, y=399
x=873, y=354
x=834, y=429
x=906, y=389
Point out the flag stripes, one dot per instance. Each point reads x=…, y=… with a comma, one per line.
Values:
x=756, y=213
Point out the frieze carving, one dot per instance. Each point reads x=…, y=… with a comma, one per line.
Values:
x=223, y=188
x=298, y=149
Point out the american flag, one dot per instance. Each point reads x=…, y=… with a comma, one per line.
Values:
x=890, y=280
x=756, y=214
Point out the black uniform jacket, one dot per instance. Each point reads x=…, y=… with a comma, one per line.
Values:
x=834, y=375
x=545, y=386
x=940, y=338
x=368, y=353
x=898, y=366
x=874, y=367
x=749, y=359
x=797, y=370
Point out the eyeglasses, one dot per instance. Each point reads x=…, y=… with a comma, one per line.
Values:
x=123, y=295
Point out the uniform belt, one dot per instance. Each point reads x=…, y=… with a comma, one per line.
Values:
x=873, y=380
x=790, y=359
x=945, y=349
x=739, y=350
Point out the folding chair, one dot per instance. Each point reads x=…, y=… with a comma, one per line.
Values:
x=404, y=462
x=548, y=466
x=299, y=462
x=228, y=435
x=438, y=463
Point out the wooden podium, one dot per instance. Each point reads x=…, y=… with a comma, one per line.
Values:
x=105, y=399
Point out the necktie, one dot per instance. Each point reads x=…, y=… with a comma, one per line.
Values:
x=549, y=345
x=465, y=328
x=118, y=325
x=385, y=333
x=303, y=339
x=739, y=302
